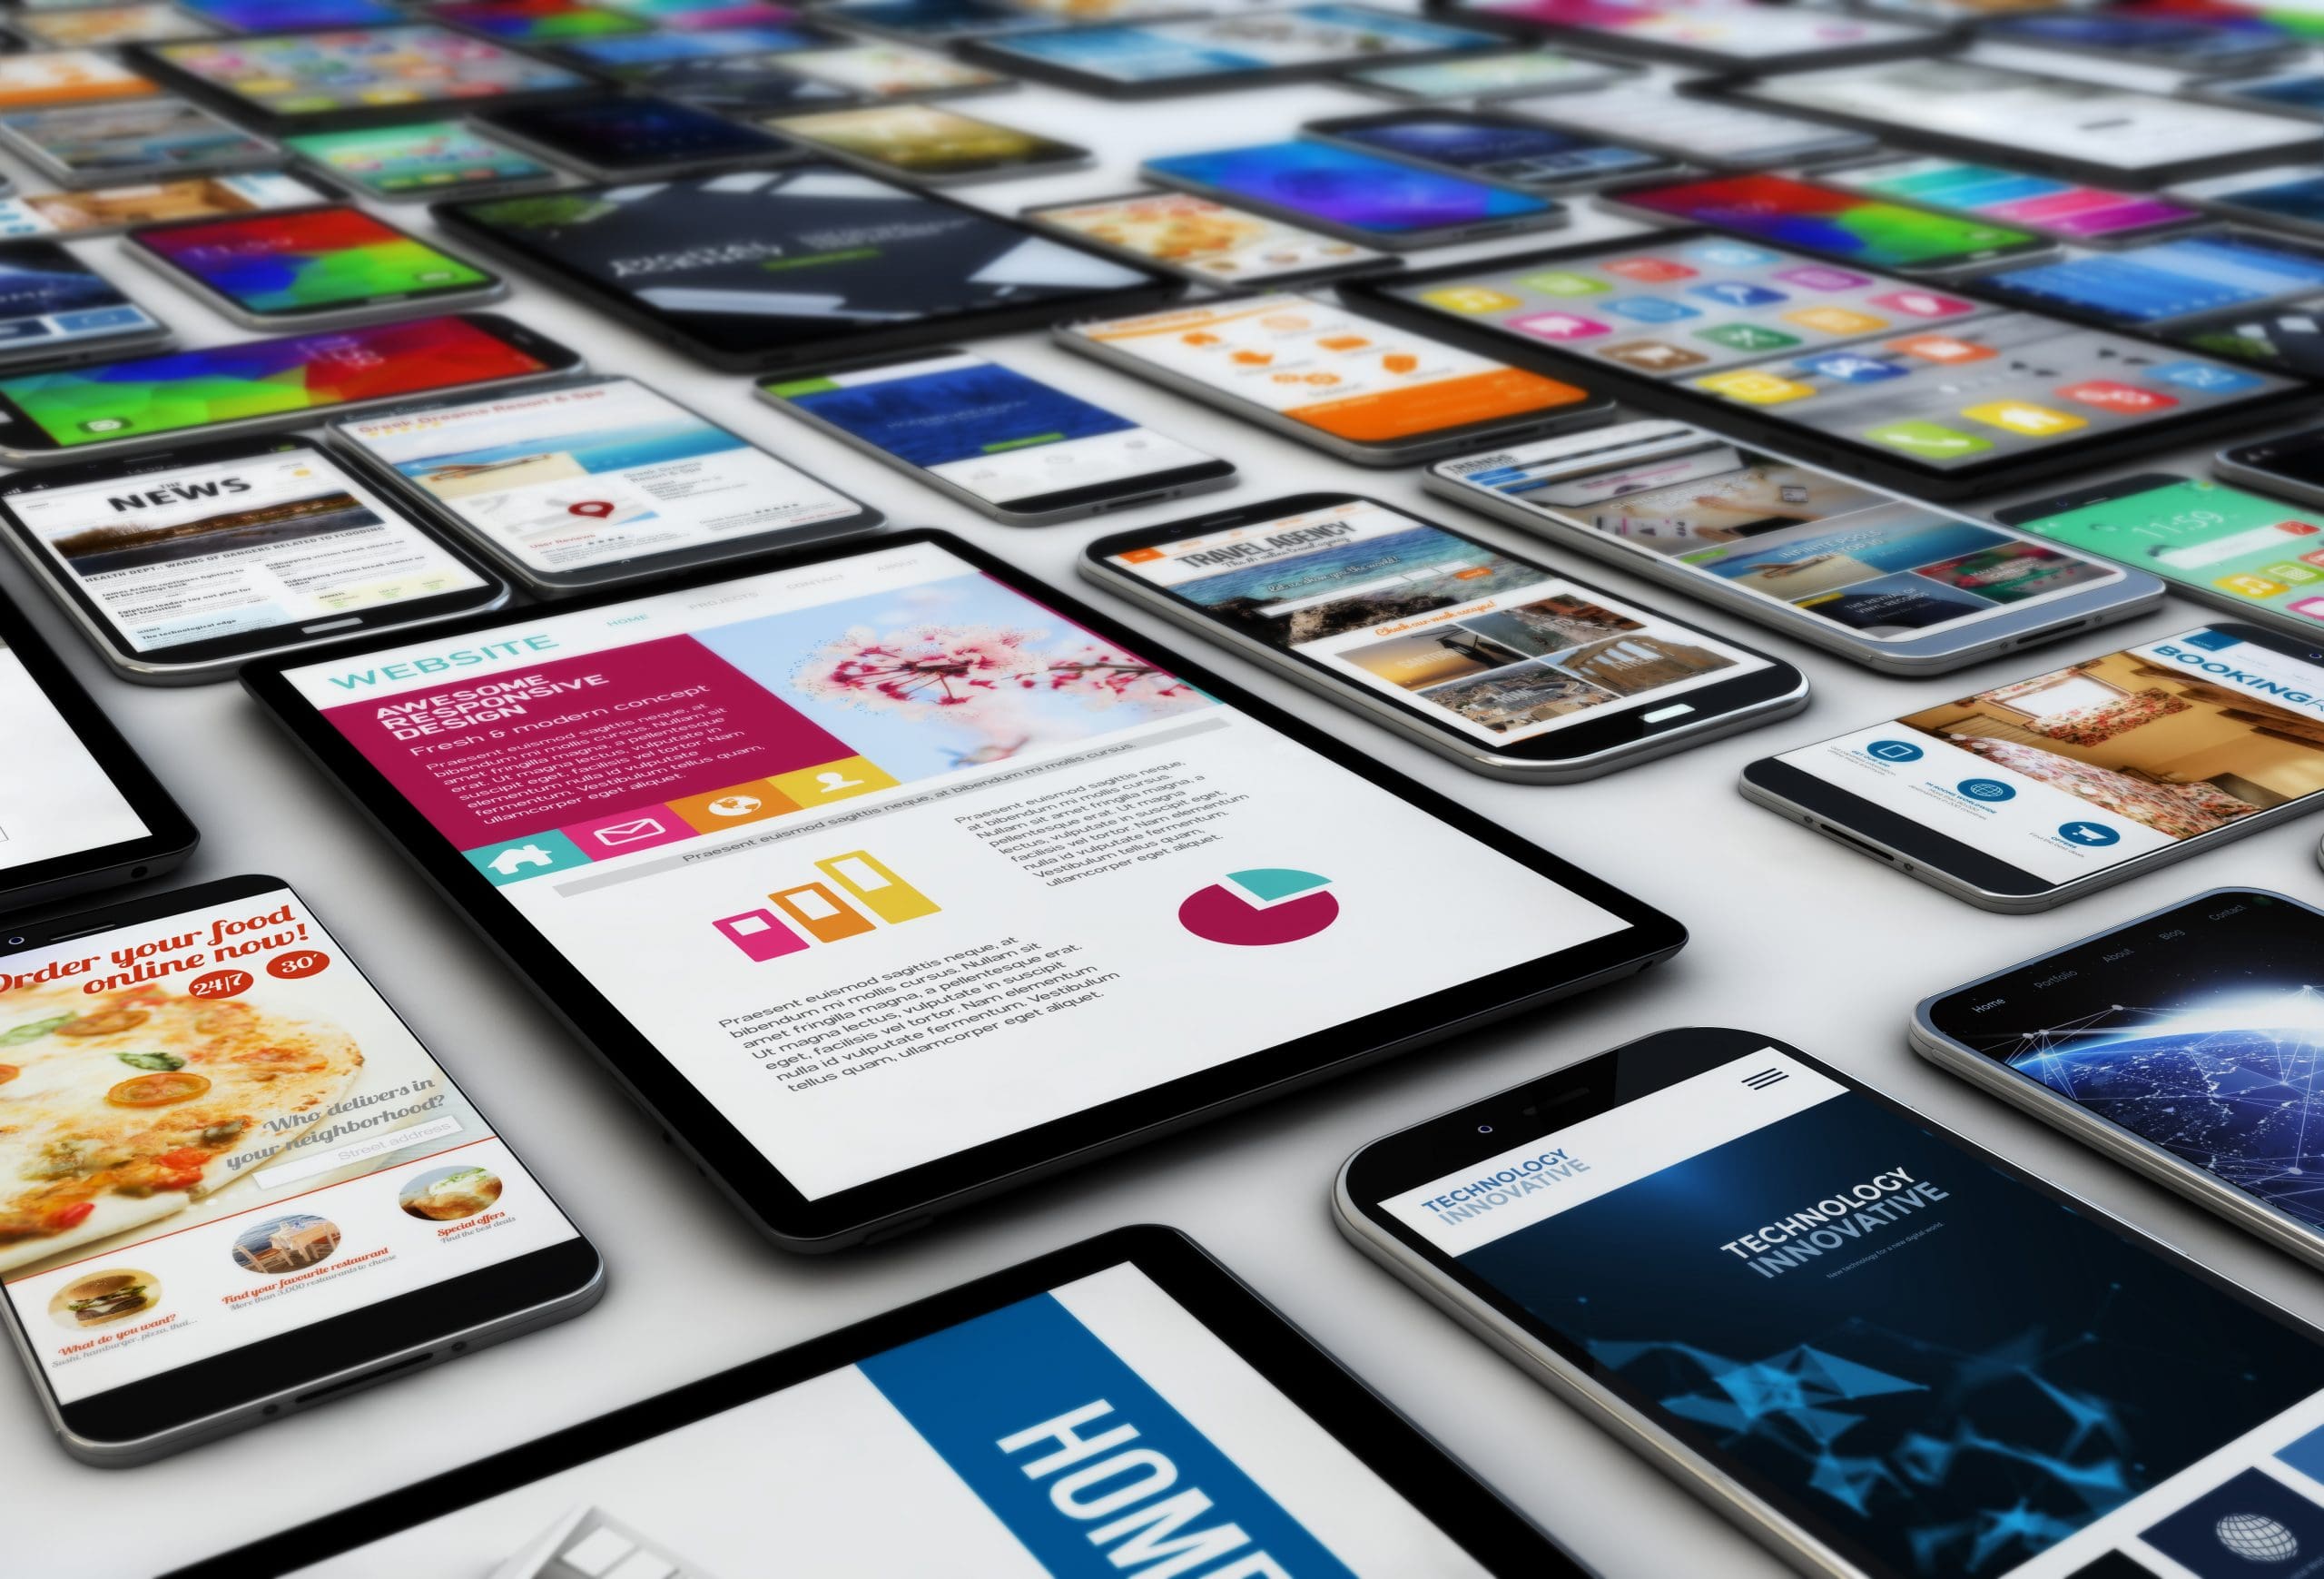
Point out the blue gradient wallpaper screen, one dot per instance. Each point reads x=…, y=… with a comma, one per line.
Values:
x=1343, y=187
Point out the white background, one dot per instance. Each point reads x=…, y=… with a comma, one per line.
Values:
x=1792, y=936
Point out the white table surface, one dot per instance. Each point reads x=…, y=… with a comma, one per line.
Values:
x=1792, y=935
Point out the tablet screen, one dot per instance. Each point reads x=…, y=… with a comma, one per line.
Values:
x=888, y=860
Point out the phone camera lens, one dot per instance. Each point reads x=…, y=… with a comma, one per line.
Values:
x=1484, y=1129
x=13, y=943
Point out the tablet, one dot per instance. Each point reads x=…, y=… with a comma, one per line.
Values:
x=78, y=810
x=887, y=878
x=1125, y=1405
x=1928, y=390
x=866, y=264
x=310, y=81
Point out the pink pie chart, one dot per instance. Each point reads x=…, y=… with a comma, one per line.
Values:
x=1264, y=906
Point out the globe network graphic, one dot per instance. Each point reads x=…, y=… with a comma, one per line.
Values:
x=1264, y=906
x=2257, y=1538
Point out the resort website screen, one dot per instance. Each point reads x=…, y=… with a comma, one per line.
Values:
x=875, y=851
x=2071, y=772
x=1908, y=1350
x=218, y=1133
x=1499, y=650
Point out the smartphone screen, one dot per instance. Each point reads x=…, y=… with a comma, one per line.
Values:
x=2209, y=41
x=547, y=21
x=1206, y=240
x=1301, y=38
x=293, y=15
x=1490, y=76
x=567, y=479
x=47, y=78
x=1011, y=441
x=2206, y=534
x=1325, y=368
x=1493, y=648
x=2064, y=209
x=2294, y=193
x=2168, y=280
x=1351, y=190
x=925, y=140
x=1820, y=218
x=51, y=302
x=224, y=1134
x=225, y=383
x=1812, y=542
x=744, y=81
x=105, y=26
x=183, y=552
x=438, y=157
x=1935, y=1366
x=1700, y=130
x=2301, y=93
x=314, y=260
x=1493, y=149
x=117, y=208
x=889, y=71
x=296, y=75
x=2078, y=770
x=623, y=134
x=61, y=800
x=1747, y=34
x=143, y=136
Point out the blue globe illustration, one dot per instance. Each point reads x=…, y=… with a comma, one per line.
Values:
x=2257, y=1538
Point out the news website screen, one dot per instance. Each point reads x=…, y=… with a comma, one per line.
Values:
x=1096, y=1429
x=217, y=1133
x=1495, y=647
x=2074, y=771
x=1905, y=1348
x=197, y=552
x=876, y=850
x=55, y=799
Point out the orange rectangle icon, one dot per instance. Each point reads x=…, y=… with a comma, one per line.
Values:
x=880, y=890
x=819, y=913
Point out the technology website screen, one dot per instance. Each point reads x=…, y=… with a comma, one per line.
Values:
x=1896, y=1341
x=1499, y=650
x=192, y=554
x=875, y=850
x=219, y=1132
x=1096, y=1428
x=55, y=799
x=2072, y=772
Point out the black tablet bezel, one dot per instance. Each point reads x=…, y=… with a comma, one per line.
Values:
x=1891, y=470
x=899, y=1202
x=169, y=834
x=1438, y=1486
x=1588, y=738
x=848, y=338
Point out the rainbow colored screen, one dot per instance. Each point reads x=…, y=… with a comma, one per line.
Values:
x=309, y=262
x=1799, y=214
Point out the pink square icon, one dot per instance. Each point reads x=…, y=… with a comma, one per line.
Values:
x=1558, y=326
x=1823, y=277
x=2312, y=606
x=1922, y=303
x=603, y=838
x=759, y=934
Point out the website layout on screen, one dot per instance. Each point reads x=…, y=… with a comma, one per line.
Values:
x=195, y=553
x=1912, y=369
x=2071, y=772
x=1917, y=1352
x=221, y=1133
x=1810, y=540
x=986, y=429
x=48, y=299
x=1097, y=1428
x=1179, y=230
x=1508, y=650
x=568, y=478
x=135, y=135
x=55, y=799
x=1329, y=369
x=65, y=214
x=67, y=76
x=875, y=850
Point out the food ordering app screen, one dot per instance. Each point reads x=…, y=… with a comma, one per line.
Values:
x=2072, y=772
x=1912, y=370
x=1097, y=1428
x=2200, y=534
x=1329, y=369
x=1178, y=230
x=1503, y=650
x=875, y=850
x=1937, y=1369
x=220, y=1134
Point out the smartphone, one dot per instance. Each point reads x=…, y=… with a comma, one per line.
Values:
x=1346, y=384
x=1367, y=197
x=56, y=309
x=133, y=140
x=45, y=79
x=2250, y=556
x=2169, y=282
x=1206, y=241
x=102, y=210
x=635, y=139
x=1894, y=584
x=1483, y=77
x=421, y=163
x=2024, y=796
x=44, y=26
x=1729, y=35
x=1880, y=1349
x=2184, y=1044
x=2290, y=465
x=149, y=402
x=1004, y=444
x=543, y=23
x=581, y=484
x=2281, y=197
x=278, y=1194
x=928, y=144
x=2065, y=211
x=731, y=72
x=2293, y=93
x=894, y=71
x=1638, y=115
x=2208, y=41
x=311, y=268
x=1493, y=147
x=1835, y=223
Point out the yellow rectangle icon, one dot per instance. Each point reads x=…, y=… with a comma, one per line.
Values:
x=880, y=890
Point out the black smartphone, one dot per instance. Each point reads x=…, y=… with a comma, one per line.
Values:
x=235, y=1183
x=1849, y=227
x=1507, y=666
x=1881, y=1349
x=54, y=308
x=1494, y=146
x=623, y=138
x=311, y=268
